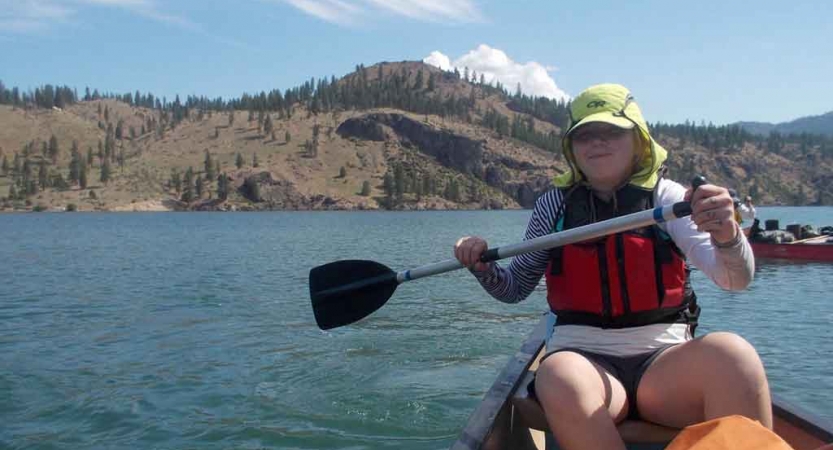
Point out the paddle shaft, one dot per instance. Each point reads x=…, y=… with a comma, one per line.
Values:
x=571, y=236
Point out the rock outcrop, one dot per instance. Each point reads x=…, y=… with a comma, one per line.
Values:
x=454, y=151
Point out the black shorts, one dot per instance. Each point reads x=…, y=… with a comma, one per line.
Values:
x=627, y=369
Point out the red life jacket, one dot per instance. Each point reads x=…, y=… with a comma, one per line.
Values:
x=624, y=280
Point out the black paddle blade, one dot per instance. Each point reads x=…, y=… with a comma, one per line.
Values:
x=344, y=292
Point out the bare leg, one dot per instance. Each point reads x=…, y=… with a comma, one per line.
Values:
x=717, y=375
x=582, y=402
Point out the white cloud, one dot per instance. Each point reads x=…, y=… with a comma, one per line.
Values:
x=148, y=9
x=437, y=59
x=433, y=10
x=351, y=12
x=128, y=3
x=25, y=16
x=32, y=16
x=335, y=11
x=495, y=65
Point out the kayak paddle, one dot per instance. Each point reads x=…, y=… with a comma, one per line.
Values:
x=346, y=291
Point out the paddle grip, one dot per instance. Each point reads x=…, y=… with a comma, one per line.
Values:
x=489, y=255
x=683, y=209
x=697, y=181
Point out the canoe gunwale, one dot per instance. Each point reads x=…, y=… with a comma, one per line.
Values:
x=802, y=419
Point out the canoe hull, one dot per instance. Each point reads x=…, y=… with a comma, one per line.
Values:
x=794, y=252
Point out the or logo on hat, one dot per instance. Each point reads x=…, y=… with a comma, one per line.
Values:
x=596, y=104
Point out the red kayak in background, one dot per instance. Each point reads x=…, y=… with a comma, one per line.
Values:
x=813, y=249
x=774, y=243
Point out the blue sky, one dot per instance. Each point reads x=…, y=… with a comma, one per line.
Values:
x=699, y=60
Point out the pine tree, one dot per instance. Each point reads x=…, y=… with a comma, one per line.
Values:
x=222, y=186
x=43, y=175
x=26, y=177
x=366, y=188
x=31, y=187
x=417, y=188
x=105, y=172
x=399, y=182
x=239, y=161
x=90, y=156
x=254, y=161
x=231, y=118
x=342, y=172
x=198, y=186
x=267, y=125
x=5, y=166
x=82, y=174
x=75, y=167
x=287, y=137
x=455, y=190
x=209, y=166
x=388, y=186
x=188, y=186
x=53, y=149
x=176, y=181
x=251, y=187
x=418, y=82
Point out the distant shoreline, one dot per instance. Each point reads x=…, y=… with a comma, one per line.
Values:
x=244, y=209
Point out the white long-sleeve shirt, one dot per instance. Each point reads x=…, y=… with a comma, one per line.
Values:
x=747, y=213
x=731, y=268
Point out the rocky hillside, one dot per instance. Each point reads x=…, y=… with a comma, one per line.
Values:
x=394, y=135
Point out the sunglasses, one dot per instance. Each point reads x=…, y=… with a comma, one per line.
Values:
x=606, y=134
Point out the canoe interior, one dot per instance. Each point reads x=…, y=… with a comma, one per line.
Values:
x=496, y=424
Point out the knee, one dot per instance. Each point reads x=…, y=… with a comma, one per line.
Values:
x=733, y=354
x=563, y=376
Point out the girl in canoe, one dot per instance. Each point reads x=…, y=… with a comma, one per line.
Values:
x=623, y=344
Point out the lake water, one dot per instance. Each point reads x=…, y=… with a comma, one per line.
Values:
x=194, y=330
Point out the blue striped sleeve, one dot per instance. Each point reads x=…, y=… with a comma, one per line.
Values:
x=514, y=283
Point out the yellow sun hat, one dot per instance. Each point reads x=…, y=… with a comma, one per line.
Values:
x=613, y=104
